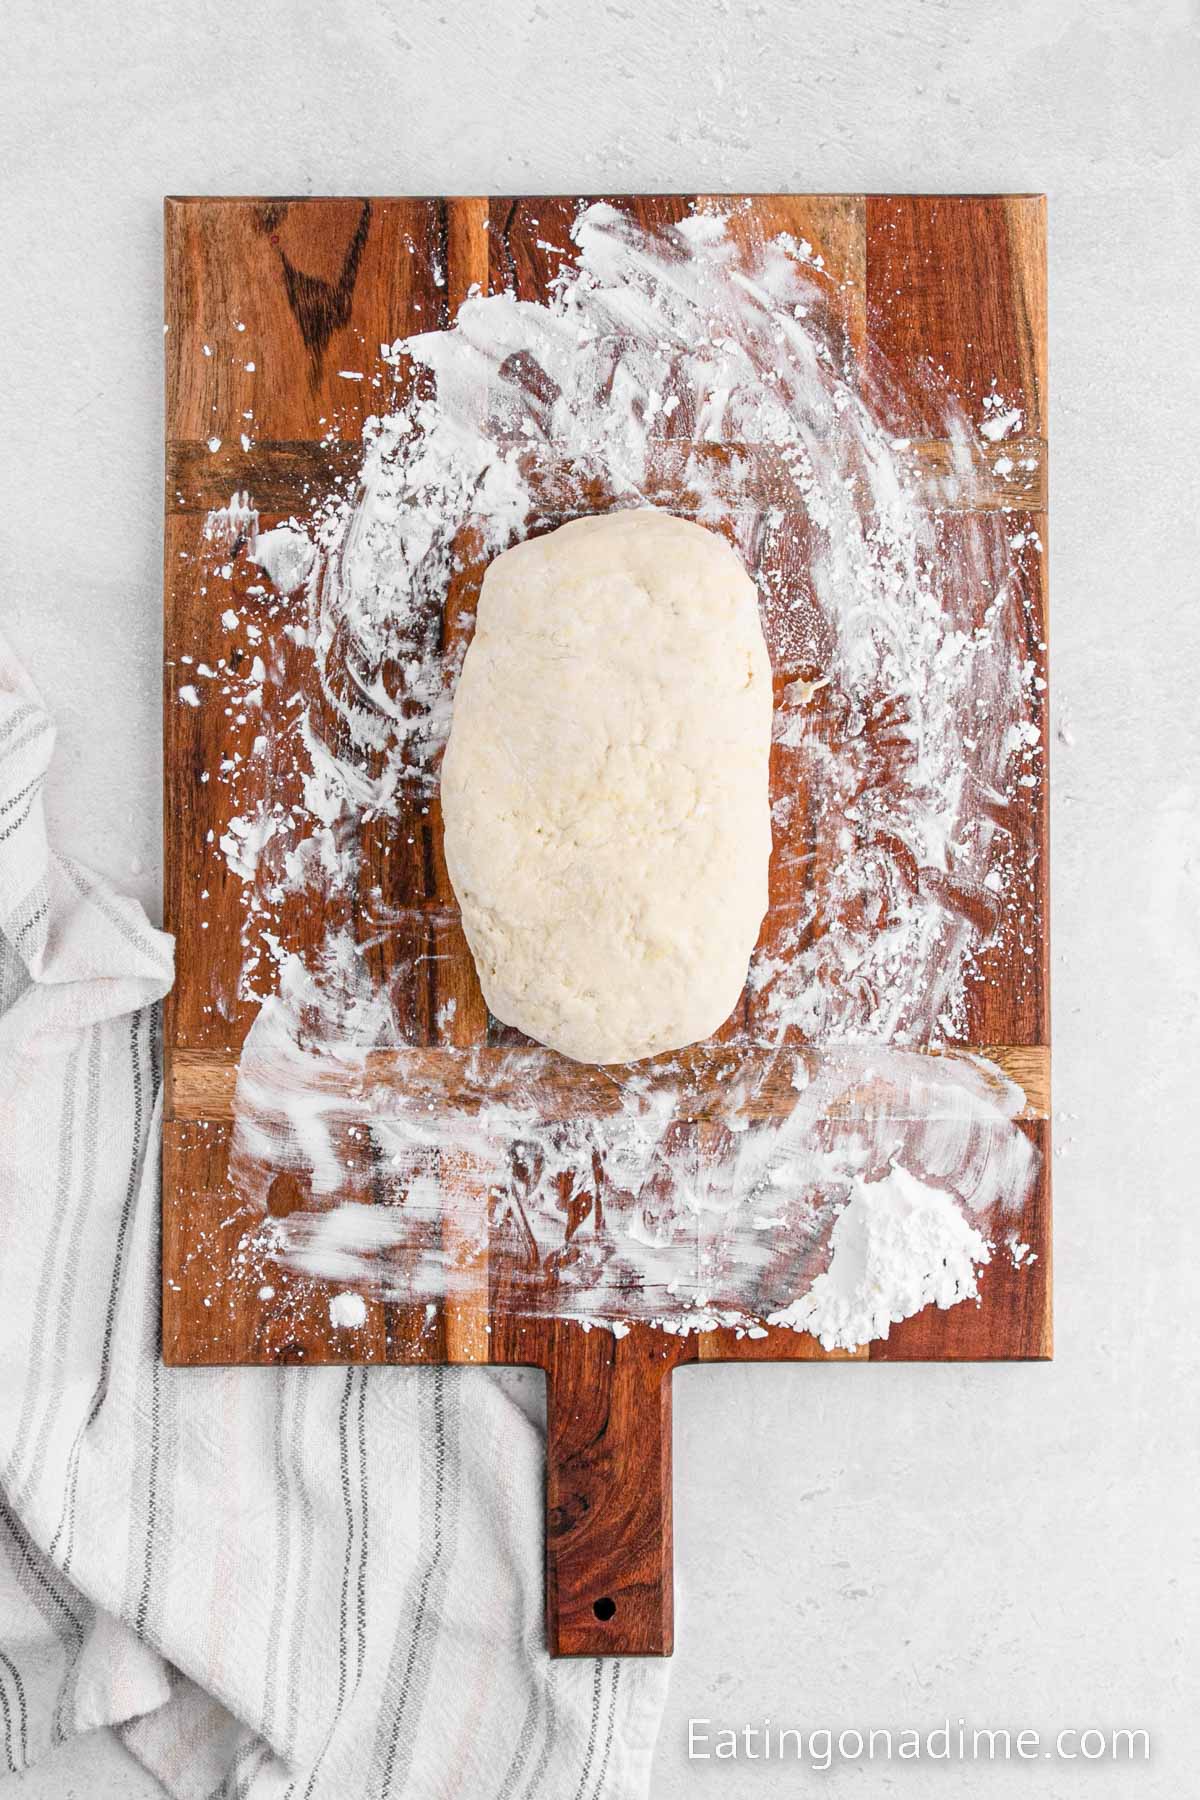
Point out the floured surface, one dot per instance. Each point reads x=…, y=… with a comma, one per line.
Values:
x=641, y=1215
x=698, y=369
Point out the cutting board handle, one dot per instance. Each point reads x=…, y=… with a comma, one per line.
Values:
x=609, y=1585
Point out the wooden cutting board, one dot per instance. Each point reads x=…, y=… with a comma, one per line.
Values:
x=270, y=306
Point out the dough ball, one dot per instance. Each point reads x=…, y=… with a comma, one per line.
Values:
x=605, y=785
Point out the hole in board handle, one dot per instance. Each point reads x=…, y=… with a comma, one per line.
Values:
x=604, y=1609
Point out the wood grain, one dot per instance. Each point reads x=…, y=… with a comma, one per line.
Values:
x=289, y=476
x=276, y=312
x=956, y=289
x=608, y=1436
x=711, y=1080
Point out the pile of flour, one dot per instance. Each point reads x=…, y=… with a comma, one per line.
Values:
x=898, y=1246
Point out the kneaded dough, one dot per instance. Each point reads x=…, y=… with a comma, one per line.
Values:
x=605, y=785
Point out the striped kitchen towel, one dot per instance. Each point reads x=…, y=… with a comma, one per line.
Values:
x=301, y=1582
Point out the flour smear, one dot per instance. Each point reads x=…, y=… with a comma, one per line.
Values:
x=907, y=739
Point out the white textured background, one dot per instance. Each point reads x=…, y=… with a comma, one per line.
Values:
x=855, y=1546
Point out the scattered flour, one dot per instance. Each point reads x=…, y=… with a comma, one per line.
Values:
x=347, y=1312
x=285, y=555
